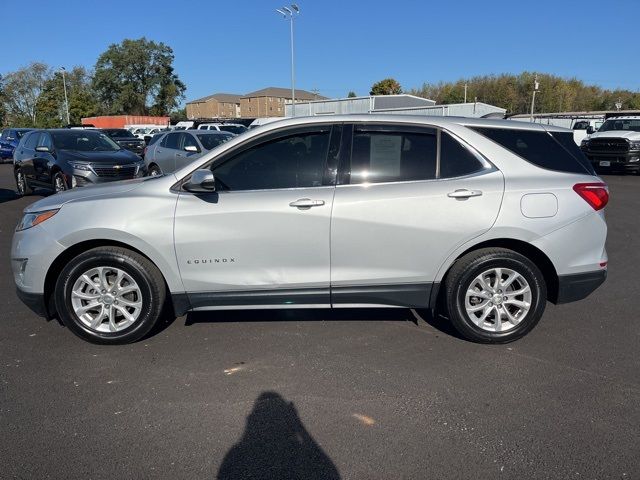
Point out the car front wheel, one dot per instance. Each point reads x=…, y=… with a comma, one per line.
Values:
x=110, y=295
x=495, y=295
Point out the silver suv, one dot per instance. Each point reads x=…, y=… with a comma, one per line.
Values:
x=483, y=220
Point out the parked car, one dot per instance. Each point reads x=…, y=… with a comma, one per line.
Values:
x=482, y=220
x=615, y=147
x=9, y=140
x=125, y=139
x=62, y=158
x=176, y=149
x=235, y=128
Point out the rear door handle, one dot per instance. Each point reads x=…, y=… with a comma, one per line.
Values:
x=306, y=203
x=464, y=193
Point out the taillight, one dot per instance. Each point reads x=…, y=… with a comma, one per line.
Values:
x=595, y=194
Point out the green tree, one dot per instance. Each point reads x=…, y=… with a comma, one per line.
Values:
x=178, y=115
x=21, y=90
x=351, y=94
x=82, y=100
x=388, y=86
x=137, y=77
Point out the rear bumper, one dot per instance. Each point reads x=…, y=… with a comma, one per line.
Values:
x=577, y=286
x=35, y=301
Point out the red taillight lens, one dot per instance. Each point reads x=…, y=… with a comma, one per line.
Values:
x=595, y=194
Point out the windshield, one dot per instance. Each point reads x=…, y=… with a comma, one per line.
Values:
x=237, y=129
x=84, y=141
x=119, y=133
x=620, y=124
x=211, y=141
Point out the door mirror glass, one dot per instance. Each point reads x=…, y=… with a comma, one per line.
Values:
x=590, y=130
x=202, y=181
x=191, y=148
x=43, y=148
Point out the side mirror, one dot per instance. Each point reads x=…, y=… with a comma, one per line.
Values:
x=202, y=181
x=191, y=148
x=43, y=148
x=590, y=130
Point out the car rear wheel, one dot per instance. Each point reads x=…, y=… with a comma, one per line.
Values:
x=495, y=295
x=154, y=171
x=22, y=185
x=110, y=295
x=59, y=182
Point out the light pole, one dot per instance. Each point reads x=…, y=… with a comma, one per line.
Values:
x=536, y=85
x=66, y=101
x=291, y=12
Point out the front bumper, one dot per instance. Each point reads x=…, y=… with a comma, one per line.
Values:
x=105, y=173
x=620, y=162
x=577, y=286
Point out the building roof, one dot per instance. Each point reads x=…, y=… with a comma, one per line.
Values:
x=220, y=97
x=284, y=93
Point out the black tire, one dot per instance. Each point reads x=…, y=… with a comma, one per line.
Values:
x=460, y=278
x=154, y=170
x=58, y=182
x=143, y=272
x=22, y=184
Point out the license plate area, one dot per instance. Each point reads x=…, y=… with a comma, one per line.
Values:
x=605, y=163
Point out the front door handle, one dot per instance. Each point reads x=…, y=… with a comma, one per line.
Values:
x=464, y=193
x=306, y=203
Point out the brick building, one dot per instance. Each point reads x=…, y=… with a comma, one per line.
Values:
x=218, y=105
x=269, y=102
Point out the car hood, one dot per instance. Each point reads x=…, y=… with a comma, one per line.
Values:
x=101, y=189
x=121, y=157
x=617, y=134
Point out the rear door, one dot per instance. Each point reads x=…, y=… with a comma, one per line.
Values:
x=25, y=154
x=407, y=196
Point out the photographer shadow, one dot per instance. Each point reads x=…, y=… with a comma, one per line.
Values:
x=276, y=445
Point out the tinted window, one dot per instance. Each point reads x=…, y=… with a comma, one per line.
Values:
x=379, y=156
x=171, y=140
x=287, y=162
x=155, y=138
x=569, y=144
x=32, y=140
x=537, y=147
x=119, y=133
x=212, y=141
x=5, y=134
x=237, y=129
x=189, y=141
x=456, y=160
x=84, y=141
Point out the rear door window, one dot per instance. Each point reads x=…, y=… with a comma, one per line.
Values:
x=381, y=154
x=538, y=147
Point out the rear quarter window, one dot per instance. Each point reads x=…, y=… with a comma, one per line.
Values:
x=545, y=150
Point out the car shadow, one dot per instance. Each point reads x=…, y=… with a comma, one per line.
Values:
x=276, y=445
x=438, y=322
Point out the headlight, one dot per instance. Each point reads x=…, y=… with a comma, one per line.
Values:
x=634, y=145
x=32, y=219
x=80, y=166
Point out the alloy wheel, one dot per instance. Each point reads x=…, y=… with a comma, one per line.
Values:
x=498, y=299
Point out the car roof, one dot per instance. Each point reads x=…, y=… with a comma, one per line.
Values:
x=207, y=132
x=416, y=120
x=626, y=117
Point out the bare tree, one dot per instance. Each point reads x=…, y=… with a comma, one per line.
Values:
x=21, y=90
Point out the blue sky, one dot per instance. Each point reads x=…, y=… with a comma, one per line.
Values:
x=239, y=46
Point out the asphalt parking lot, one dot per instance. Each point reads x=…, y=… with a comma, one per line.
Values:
x=320, y=394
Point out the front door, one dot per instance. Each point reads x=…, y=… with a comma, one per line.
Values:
x=263, y=237
x=406, y=198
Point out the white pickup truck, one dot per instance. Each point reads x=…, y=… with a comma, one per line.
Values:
x=615, y=147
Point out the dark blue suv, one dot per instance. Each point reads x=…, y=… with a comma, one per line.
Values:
x=9, y=141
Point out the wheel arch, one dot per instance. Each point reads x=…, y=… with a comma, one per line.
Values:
x=533, y=253
x=63, y=258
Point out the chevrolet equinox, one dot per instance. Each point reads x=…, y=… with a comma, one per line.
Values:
x=484, y=220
